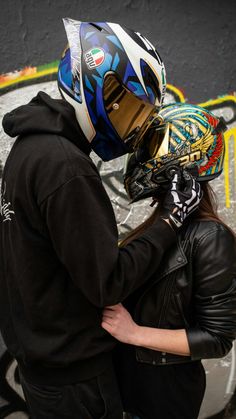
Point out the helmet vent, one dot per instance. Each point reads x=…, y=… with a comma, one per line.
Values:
x=99, y=28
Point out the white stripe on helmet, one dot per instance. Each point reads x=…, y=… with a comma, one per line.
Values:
x=149, y=46
x=72, y=28
x=135, y=51
x=82, y=115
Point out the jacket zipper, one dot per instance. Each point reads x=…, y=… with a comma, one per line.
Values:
x=180, y=307
x=166, y=298
x=169, y=284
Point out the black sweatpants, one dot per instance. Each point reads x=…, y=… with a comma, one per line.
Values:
x=95, y=398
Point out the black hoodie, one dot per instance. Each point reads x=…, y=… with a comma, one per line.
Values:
x=60, y=263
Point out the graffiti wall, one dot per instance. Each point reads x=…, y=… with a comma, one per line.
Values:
x=223, y=372
x=196, y=43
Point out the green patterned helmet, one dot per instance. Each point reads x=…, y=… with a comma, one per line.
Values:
x=185, y=136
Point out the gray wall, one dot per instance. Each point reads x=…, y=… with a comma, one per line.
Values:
x=196, y=38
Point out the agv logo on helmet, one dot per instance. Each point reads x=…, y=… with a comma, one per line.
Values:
x=94, y=57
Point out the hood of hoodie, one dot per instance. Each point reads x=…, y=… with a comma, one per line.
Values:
x=46, y=115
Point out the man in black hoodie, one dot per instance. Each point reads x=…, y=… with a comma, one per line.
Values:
x=60, y=262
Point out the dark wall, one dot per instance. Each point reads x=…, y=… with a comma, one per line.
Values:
x=196, y=38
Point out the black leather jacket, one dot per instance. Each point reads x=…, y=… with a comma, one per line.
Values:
x=196, y=290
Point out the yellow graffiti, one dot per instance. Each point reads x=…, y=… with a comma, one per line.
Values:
x=11, y=79
x=230, y=134
x=235, y=156
x=176, y=92
x=219, y=101
x=29, y=73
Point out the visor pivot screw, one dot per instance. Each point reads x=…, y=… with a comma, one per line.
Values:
x=115, y=106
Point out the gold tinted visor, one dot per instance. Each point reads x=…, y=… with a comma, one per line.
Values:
x=157, y=143
x=129, y=115
x=154, y=146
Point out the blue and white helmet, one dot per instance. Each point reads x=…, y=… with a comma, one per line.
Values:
x=115, y=80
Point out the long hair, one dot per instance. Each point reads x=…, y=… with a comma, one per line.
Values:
x=207, y=211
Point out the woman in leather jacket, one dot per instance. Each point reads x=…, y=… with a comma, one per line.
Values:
x=188, y=311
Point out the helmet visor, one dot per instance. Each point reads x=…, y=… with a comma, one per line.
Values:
x=156, y=142
x=129, y=115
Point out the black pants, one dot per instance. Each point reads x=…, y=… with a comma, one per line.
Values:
x=96, y=398
x=160, y=392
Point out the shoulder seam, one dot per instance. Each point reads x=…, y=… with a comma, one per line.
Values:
x=200, y=240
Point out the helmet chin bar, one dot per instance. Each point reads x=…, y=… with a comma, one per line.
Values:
x=140, y=185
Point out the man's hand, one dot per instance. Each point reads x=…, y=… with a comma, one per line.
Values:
x=182, y=199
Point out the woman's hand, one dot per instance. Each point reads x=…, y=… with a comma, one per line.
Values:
x=118, y=322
